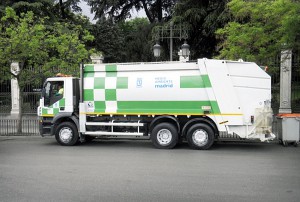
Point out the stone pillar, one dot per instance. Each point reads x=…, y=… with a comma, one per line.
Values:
x=15, y=93
x=97, y=59
x=285, y=82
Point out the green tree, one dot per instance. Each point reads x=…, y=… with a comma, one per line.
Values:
x=40, y=8
x=66, y=6
x=137, y=33
x=109, y=40
x=39, y=50
x=260, y=29
x=56, y=10
x=203, y=18
x=156, y=10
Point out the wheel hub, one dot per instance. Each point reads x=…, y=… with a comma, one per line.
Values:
x=66, y=135
x=200, y=137
x=164, y=137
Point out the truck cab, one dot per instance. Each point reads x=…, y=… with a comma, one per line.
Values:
x=60, y=99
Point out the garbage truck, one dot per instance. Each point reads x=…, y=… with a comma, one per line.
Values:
x=166, y=102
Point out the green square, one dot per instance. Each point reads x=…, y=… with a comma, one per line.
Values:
x=99, y=106
x=88, y=95
x=55, y=111
x=122, y=83
x=99, y=83
x=111, y=74
x=61, y=102
x=111, y=68
x=44, y=111
x=110, y=94
x=89, y=68
x=88, y=74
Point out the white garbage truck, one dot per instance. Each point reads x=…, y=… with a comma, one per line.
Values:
x=167, y=102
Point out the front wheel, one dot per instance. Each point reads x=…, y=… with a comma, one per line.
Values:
x=164, y=136
x=200, y=136
x=66, y=134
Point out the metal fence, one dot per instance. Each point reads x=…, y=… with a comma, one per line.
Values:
x=31, y=96
x=5, y=96
x=9, y=127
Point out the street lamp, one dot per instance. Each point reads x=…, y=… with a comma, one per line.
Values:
x=156, y=50
x=170, y=31
x=185, y=48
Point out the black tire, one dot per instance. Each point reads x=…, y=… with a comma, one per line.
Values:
x=164, y=136
x=200, y=136
x=66, y=134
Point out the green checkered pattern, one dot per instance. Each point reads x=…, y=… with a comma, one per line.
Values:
x=102, y=84
x=100, y=90
x=53, y=109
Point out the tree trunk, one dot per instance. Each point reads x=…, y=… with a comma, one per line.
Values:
x=151, y=19
x=62, y=9
x=159, y=10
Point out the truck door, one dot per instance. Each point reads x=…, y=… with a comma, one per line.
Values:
x=54, y=97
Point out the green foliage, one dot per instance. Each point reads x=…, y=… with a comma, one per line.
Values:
x=39, y=49
x=40, y=8
x=126, y=41
x=203, y=18
x=156, y=10
x=109, y=39
x=260, y=29
x=55, y=10
x=137, y=34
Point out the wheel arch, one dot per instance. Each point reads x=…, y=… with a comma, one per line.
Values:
x=63, y=117
x=205, y=120
x=161, y=119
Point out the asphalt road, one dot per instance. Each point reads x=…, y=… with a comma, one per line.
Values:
x=38, y=169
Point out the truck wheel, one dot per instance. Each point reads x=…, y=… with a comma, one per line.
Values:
x=66, y=134
x=200, y=136
x=164, y=136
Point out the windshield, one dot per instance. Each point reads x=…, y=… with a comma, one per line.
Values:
x=52, y=92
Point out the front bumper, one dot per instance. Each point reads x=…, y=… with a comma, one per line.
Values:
x=45, y=126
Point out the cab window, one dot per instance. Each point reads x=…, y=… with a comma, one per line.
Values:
x=52, y=92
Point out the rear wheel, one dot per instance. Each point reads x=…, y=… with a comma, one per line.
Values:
x=164, y=136
x=200, y=136
x=66, y=134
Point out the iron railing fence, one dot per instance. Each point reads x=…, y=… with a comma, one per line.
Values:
x=9, y=127
x=30, y=102
x=5, y=96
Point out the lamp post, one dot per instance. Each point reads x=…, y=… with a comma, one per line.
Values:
x=171, y=40
x=185, y=48
x=170, y=31
x=156, y=50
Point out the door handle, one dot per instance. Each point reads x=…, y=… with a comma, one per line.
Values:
x=62, y=108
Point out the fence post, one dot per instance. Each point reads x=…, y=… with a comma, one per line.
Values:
x=285, y=81
x=15, y=93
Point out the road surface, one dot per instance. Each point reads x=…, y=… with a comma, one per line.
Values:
x=38, y=169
